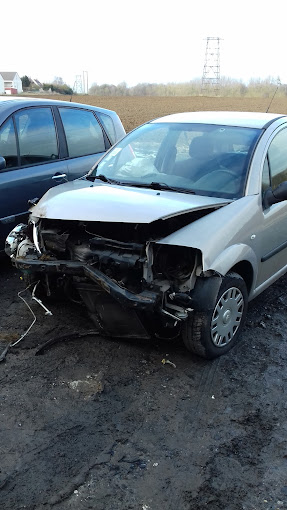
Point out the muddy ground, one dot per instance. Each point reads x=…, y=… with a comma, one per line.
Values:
x=102, y=424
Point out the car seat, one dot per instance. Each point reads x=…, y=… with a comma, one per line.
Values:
x=201, y=153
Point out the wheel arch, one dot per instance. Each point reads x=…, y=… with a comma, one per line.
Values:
x=238, y=258
x=246, y=271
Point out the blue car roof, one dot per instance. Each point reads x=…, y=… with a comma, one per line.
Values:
x=9, y=104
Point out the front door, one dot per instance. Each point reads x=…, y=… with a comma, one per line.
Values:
x=29, y=144
x=273, y=256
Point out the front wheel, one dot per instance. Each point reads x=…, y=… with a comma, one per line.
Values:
x=214, y=332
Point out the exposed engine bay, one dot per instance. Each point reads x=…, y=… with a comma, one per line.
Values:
x=132, y=285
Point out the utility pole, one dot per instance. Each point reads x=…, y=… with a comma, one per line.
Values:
x=211, y=70
x=85, y=82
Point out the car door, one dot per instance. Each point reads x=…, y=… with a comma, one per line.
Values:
x=29, y=143
x=273, y=252
x=86, y=140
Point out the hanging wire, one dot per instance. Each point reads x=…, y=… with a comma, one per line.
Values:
x=278, y=85
x=47, y=312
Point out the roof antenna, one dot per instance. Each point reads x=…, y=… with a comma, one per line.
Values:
x=278, y=85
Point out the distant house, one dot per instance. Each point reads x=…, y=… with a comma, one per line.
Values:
x=12, y=82
x=2, y=88
x=37, y=82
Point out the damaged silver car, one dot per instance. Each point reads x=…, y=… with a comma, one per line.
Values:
x=178, y=226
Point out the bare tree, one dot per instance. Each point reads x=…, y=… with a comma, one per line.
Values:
x=58, y=80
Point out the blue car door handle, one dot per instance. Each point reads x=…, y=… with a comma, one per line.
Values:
x=59, y=176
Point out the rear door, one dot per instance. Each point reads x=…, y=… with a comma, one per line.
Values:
x=86, y=141
x=29, y=143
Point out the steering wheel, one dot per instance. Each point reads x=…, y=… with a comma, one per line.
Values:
x=223, y=170
x=220, y=179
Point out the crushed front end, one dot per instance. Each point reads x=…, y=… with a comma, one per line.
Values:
x=132, y=285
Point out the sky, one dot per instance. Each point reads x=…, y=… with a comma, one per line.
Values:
x=132, y=41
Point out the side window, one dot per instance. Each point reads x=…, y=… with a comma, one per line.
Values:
x=277, y=155
x=8, y=147
x=83, y=133
x=108, y=125
x=37, y=136
x=265, y=176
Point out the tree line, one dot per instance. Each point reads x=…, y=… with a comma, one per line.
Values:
x=228, y=87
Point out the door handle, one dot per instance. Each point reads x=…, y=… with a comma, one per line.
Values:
x=59, y=176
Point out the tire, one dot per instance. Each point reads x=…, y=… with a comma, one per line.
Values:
x=212, y=333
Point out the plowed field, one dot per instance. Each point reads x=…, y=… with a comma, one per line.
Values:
x=136, y=110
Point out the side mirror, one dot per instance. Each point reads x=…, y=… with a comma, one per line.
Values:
x=277, y=195
x=2, y=163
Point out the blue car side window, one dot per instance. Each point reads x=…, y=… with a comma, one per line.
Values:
x=37, y=136
x=108, y=126
x=83, y=133
x=8, y=147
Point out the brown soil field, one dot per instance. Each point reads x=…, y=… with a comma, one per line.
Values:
x=134, y=111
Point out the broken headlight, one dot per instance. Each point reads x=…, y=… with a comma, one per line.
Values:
x=14, y=238
x=174, y=262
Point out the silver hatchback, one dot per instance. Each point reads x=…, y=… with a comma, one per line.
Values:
x=177, y=227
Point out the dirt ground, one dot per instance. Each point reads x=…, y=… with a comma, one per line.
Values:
x=134, y=111
x=102, y=424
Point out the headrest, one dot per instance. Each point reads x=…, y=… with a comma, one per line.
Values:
x=200, y=147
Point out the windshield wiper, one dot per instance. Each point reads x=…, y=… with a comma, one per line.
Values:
x=161, y=186
x=103, y=178
x=151, y=185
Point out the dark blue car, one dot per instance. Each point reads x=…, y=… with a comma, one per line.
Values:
x=44, y=143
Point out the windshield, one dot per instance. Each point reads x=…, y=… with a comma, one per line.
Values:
x=206, y=159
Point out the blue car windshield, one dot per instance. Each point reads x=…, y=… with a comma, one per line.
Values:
x=204, y=158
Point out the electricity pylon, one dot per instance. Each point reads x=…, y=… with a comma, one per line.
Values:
x=211, y=70
x=78, y=85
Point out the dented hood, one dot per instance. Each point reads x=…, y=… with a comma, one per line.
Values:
x=85, y=201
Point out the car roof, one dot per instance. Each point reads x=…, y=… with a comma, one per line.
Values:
x=10, y=104
x=240, y=119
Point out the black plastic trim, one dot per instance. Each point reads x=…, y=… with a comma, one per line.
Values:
x=274, y=252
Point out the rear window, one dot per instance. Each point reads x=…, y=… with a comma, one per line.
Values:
x=108, y=126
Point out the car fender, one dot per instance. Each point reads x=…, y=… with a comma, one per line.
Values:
x=225, y=237
x=232, y=256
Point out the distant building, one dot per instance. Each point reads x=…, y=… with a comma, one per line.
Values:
x=12, y=82
x=37, y=82
x=2, y=87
